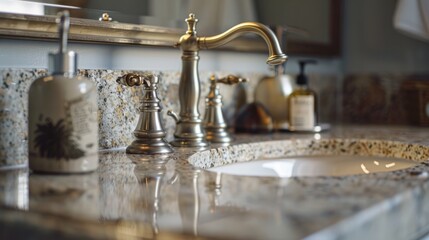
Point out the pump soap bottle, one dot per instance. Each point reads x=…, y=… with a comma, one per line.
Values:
x=302, y=103
x=62, y=120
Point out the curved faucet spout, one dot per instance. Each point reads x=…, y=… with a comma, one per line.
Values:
x=276, y=55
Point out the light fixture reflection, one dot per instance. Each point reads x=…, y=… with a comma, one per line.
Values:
x=389, y=165
x=22, y=7
x=317, y=136
x=23, y=191
x=82, y=88
x=317, y=128
x=28, y=7
x=364, y=168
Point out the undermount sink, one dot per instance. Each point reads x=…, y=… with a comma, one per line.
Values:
x=311, y=166
x=310, y=158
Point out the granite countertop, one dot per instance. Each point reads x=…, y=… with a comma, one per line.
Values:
x=138, y=196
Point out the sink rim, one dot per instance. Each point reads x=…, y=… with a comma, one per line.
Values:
x=271, y=150
x=315, y=166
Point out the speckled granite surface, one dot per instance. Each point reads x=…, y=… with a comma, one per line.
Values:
x=143, y=196
x=117, y=105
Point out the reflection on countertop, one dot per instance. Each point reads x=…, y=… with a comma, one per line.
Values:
x=148, y=196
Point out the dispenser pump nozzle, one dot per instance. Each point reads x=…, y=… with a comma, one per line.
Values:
x=302, y=78
x=63, y=62
x=63, y=22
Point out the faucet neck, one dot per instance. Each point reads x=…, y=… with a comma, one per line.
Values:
x=276, y=56
x=192, y=43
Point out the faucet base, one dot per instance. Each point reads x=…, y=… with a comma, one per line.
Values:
x=149, y=146
x=192, y=143
x=218, y=135
x=189, y=133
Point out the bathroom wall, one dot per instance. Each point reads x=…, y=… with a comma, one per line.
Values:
x=386, y=73
x=372, y=45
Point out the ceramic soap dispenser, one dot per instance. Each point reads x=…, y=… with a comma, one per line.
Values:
x=302, y=103
x=62, y=119
x=273, y=93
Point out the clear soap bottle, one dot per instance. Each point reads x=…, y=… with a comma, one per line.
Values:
x=302, y=103
x=62, y=115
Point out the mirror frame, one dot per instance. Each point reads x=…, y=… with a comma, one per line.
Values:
x=331, y=49
x=93, y=31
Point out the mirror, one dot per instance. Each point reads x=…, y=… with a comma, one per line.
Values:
x=304, y=27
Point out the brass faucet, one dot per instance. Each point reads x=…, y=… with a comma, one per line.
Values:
x=189, y=129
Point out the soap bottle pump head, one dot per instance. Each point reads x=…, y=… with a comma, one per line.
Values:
x=63, y=62
x=302, y=78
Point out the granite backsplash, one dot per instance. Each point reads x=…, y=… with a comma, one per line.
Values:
x=358, y=99
x=386, y=99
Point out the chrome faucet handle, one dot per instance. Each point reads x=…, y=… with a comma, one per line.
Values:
x=149, y=132
x=214, y=122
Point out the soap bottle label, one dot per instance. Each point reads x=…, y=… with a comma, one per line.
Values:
x=302, y=115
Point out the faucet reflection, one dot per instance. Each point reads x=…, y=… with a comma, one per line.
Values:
x=189, y=204
x=189, y=129
x=151, y=175
x=14, y=184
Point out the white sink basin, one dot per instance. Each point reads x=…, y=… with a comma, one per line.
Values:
x=311, y=157
x=311, y=166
